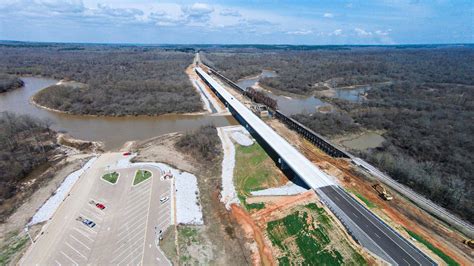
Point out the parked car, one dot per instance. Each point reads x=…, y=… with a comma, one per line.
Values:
x=100, y=206
x=88, y=222
x=127, y=153
x=164, y=199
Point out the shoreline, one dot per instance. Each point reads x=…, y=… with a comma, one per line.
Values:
x=33, y=101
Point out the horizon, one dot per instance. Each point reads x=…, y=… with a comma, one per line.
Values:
x=263, y=22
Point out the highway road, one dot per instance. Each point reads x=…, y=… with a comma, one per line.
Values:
x=376, y=236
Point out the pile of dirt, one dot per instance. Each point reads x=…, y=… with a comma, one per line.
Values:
x=400, y=213
x=81, y=145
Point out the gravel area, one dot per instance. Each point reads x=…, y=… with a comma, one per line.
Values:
x=46, y=211
x=228, y=193
x=288, y=189
x=242, y=137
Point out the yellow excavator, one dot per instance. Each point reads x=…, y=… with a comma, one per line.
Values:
x=469, y=243
x=382, y=192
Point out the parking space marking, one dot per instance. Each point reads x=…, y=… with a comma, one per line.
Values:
x=131, y=225
x=137, y=201
x=133, y=251
x=89, y=229
x=127, y=249
x=129, y=233
x=139, y=196
x=139, y=190
x=83, y=233
x=77, y=251
x=132, y=209
x=160, y=226
x=90, y=215
x=57, y=262
x=69, y=258
x=80, y=242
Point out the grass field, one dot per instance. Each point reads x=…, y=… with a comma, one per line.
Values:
x=111, y=177
x=303, y=238
x=140, y=176
x=435, y=250
x=8, y=251
x=254, y=170
x=367, y=202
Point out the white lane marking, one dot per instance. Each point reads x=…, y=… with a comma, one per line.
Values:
x=131, y=253
x=377, y=235
x=161, y=225
x=69, y=258
x=131, y=233
x=83, y=233
x=164, y=215
x=124, y=228
x=77, y=251
x=133, y=208
x=355, y=214
x=123, y=251
x=77, y=240
x=57, y=262
x=406, y=261
x=147, y=218
x=89, y=229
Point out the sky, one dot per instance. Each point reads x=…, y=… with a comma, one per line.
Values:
x=317, y=22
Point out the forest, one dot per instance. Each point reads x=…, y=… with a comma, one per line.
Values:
x=9, y=82
x=202, y=143
x=25, y=144
x=426, y=108
x=119, y=80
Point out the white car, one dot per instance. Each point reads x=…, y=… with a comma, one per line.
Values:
x=164, y=199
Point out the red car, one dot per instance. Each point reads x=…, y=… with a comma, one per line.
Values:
x=127, y=153
x=100, y=206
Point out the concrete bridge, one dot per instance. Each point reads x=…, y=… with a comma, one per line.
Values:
x=370, y=231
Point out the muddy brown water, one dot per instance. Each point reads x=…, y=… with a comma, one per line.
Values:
x=113, y=131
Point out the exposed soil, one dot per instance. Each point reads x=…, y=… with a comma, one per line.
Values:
x=398, y=212
x=220, y=230
x=263, y=256
x=82, y=145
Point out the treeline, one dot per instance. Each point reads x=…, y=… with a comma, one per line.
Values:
x=429, y=137
x=25, y=143
x=203, y=144
x=8, y=82
x=302, y=72
x=127, y=80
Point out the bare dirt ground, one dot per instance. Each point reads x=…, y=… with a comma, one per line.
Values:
x=399, y=213
x=220, y=236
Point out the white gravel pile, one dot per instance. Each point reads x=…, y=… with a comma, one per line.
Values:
x=228, y=193
x=46, y=211
x=188, y=206
x=242, y=138
x=288, y=189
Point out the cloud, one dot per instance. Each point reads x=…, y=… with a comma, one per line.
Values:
x=162, y=18
x=383, y=33
x=337, y=32
x=118, y=12
x=230, y=13
x=300, y=32
x=198, y=12
x=328, y=15
x=69, y=6
x=362, y=33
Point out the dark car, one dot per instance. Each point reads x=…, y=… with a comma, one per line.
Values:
x=88, y=222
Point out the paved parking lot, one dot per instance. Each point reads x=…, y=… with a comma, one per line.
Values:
x=126, y=231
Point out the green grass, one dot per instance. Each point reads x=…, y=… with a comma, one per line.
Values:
x=255, y=206
x=141, y=176
x=254, y=170
x=367, y=202
x=312, y=243
x=111, y=177
x=8, y=251
x=435, y=250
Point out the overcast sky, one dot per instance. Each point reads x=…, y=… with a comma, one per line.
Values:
x=239, y=22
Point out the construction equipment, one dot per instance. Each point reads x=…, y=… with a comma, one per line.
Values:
x=382, y=192
x=469, y=243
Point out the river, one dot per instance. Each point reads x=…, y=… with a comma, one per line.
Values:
x=296, y=105
x=112, y=131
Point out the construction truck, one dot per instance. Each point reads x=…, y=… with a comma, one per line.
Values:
x=469, y=243
x=382, y=192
